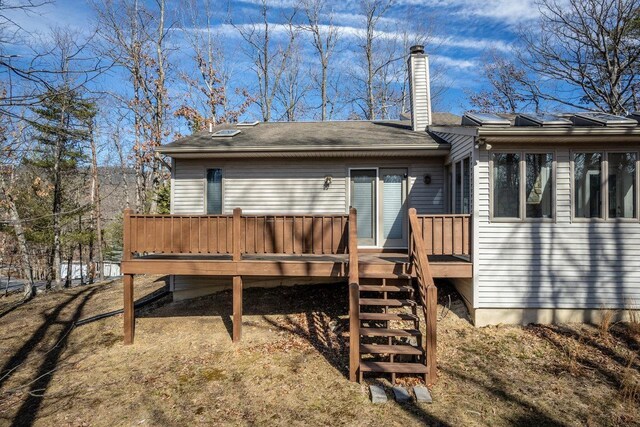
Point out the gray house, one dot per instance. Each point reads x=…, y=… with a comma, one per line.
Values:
x=534, y=218
x=551, y=200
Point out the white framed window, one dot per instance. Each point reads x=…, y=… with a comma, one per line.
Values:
x=462, y=191
x=605, y=185
x=213, y=192
x=522, y=186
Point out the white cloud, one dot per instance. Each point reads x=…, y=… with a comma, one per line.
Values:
x=509, y=11
x=459, y=64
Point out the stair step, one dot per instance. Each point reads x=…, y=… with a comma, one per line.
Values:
x=386, y=332
x=380, y=288
x=388, y=316
x=387, y=302
x=398, y=368
x=390, y=349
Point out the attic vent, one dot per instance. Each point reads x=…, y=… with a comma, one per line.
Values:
x=484, y=119
x=226, y=133
x=541, y=120
x=247, y=123
x=602, y=119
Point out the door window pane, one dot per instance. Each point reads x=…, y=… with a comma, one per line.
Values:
x=506, y=185
x=363, y=199
x=392, y=211
x=539, y=185
x=622, y=185
x=214, y=191
x=588, y=185
x=466, y=175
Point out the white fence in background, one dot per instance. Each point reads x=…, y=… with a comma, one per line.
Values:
x=78, y=270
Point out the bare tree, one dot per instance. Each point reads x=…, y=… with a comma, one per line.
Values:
x=592, y=47
x=134, y=36
x=207, y=76
x=510, y=88
x=294, y=87
x=376, y=51
x=325, y=36
x=12, y=149
x=269, y=61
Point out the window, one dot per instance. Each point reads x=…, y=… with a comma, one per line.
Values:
x=214, y=191
x=462, y=200
x=523, y=186
x=458, y=207
x=466, y=199
x=506, y=185
x=539, y=181
x=622, y=185
x=587, y=172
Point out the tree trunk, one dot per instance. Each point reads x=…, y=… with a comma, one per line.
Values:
x=96, y=222
x=18, y=229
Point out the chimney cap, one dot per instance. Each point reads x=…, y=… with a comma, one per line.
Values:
x=416, y=49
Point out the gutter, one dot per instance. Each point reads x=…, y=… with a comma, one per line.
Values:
x=393, y=151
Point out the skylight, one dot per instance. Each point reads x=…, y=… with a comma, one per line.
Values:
x=602, y=119
x=247, y=123
x=484, y=119
x=541, y=119
x=226, y=133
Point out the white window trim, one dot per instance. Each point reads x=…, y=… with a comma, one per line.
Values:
x=222, y=185
x=522, y=188
x=604, y=189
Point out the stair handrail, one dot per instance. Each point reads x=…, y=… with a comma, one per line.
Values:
x=354, y=297
x=427, y=291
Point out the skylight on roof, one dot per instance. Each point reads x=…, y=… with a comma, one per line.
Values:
x=602, y=119
x=541, y=119
x=484, y=119
x=226, y=133
x=247, y=123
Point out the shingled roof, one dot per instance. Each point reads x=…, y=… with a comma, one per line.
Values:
x=308, y=136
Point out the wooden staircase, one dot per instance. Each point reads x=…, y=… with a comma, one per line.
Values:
x=390, y=337
x=384, y=327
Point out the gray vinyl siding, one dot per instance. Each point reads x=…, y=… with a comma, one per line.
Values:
x=560, y=264
x=267, y=186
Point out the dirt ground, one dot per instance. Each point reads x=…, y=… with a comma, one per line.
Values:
x=290, y=368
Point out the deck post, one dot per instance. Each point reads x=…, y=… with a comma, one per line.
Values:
x=129, y=315
x=432, y=324
x=354, y=298
x=126, y=235
x=237, y=231
x=237, y=308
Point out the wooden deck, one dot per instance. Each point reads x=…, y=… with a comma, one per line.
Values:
x=378, y=265
x=319, y=246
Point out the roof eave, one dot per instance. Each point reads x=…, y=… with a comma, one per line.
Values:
x=557, y=135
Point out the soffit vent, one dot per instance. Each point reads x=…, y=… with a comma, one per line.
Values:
x=602, y=120
x=542, y=120
x=226, y=133
x=484, y=119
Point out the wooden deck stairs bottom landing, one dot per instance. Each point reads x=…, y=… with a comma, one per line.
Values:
x=390, y=338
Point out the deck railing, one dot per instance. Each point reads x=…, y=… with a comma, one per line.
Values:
x=426, y=290
x=444, y=234
x=235, y=234
x=354, y=297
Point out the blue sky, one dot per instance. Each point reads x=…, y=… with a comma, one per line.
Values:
x=463, y=33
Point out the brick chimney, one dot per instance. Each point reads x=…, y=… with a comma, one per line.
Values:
x=419, y=88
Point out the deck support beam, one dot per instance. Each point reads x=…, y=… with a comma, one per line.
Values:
x=129, y=315
x=237, y=308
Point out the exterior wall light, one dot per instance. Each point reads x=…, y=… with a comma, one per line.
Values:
x=327, y=181
x=427, y=179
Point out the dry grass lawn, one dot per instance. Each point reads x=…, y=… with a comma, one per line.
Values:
x=290, y=368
